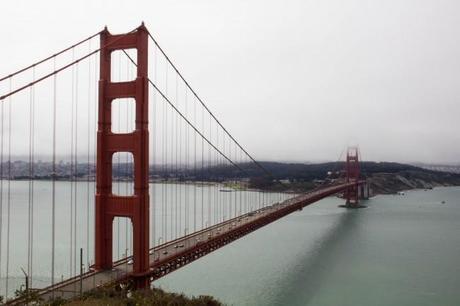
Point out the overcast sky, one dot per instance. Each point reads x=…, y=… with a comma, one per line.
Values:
x=292, y=80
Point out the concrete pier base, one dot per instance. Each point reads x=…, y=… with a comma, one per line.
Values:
x=353, y=206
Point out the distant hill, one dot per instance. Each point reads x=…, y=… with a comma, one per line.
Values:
x=455, y=168
x=386, y=177
x=320, y=171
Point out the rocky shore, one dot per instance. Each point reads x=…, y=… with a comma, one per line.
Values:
x=390, y=183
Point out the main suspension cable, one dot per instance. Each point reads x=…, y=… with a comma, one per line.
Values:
x=205, y=107
x=185, y=118
x=12, y=92
x=49, y=57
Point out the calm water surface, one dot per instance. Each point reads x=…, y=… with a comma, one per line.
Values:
x=401, y=250
x=176, y=209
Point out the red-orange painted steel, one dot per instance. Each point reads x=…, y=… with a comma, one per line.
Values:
x=108, y=205
x=352, y=173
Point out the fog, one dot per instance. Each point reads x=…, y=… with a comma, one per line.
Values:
x=291, y=80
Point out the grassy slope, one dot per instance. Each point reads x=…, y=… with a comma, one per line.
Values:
x=111, y=296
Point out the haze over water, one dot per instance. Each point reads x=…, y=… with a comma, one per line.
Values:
x=401, y=250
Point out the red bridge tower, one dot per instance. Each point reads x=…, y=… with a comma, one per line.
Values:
x=108, y=205
x=352, y=176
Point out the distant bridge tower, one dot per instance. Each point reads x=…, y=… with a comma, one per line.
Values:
x=352, y=172
x=109, y=205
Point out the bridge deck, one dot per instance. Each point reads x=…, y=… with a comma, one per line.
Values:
x=174, y=254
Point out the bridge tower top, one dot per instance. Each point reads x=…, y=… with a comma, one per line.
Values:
x=352, y=166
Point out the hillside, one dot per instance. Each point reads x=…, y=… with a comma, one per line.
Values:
x=385, y=177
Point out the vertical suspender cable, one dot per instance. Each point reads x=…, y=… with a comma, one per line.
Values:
x=127, y=159
x=8, y=218
x=166, y=158
x=71, y=165
x=194, y=170
x=222, y=197
x=202, y=171
x=53, y=199
x=31, y=178
x=249, y=208
x=230, y=202
x=88, y=169
x=184, y=166
x=216, y=181
x=209, y=174
x=127, y=167
x=234, y=181
x=29, y=183
x=95, y=123
x=241, y=185
x=171, y=171
x=76, y=171
x=32, y=190
x=224, y=202
x=224, y=179
x=218, y=177
x=155, y=159
x=179, y=123
x=233, y=178
x=187, y=197
x=95, y=119
x=132, y=127
x=1, y=182
x=154, y=124
x=176, y=149
x=118, y=180
x=163, y=170
x=173, y=174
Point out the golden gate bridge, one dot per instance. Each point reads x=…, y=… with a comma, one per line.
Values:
x=127, y=176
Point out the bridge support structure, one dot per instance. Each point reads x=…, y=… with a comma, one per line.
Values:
x=108, y=205
x=352, y=171
x=364, y=191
